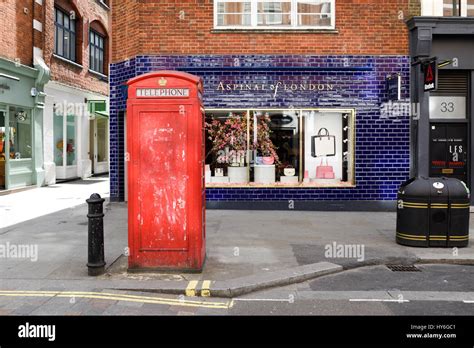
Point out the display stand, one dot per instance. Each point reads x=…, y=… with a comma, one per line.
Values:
x=238, y=175
x=265, y=174
x=219, y=179
x=289, y=179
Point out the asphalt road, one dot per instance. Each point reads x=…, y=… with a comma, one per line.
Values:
x=435, y=290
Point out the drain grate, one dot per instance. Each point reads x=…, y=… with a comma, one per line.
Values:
x=403, y=268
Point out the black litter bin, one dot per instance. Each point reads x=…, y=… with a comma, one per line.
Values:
x=433, y=212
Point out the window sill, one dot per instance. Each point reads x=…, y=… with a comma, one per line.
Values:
x=68, y=61
x=274, y=31
x=99, y=75
x=283, y=185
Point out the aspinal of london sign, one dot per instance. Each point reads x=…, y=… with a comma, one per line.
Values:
x=276, y=87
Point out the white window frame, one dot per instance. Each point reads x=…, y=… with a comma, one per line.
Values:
x=254, y=18
x=435, y=8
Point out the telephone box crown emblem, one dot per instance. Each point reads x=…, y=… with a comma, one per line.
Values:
x=162, y=82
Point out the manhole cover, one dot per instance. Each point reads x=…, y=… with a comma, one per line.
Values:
x=403, y=268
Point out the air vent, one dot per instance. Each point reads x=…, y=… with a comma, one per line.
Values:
x=403, y=268
x=452, y=83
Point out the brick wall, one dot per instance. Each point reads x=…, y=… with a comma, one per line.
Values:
x=64, y=72
x=186, y=27
x=16, y=30
x=382, y=144
x=414, y=8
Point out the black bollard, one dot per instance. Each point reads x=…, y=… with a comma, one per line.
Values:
x=96, y=263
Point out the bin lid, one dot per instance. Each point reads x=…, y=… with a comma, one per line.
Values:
x=434, y=187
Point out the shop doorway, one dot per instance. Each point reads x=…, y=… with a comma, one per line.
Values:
x=449, y=150
x=3, y=158
x=98, y=145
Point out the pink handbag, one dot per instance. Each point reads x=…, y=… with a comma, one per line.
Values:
x=324, y=171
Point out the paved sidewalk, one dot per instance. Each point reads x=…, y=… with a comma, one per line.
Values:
x=239, y=243
x=34, y=203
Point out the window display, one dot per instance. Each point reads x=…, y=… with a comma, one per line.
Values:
x=2, y=150
x=71, y=140
x=226, y=146
x=292, y=147
x=20, y=134
x=58, y=140
x=64, y=140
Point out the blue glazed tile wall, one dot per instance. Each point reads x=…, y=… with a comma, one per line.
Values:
x=382, y=144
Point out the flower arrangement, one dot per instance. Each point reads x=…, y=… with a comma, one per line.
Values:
x=263, y=144
x=229, y=138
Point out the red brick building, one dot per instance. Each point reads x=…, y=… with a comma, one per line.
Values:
x=76, y=48
x=56, y=129
x=292, y=70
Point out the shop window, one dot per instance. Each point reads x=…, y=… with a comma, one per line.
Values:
x=2, y=149
x=96, y=52
x=58, y=140
x=70, y=140
x=20, y=134
x=65, y=140
x=327, y=149
x=268, y=14
x=102, y=140
x=65, y=34
x=227, y=142
x=292, y=147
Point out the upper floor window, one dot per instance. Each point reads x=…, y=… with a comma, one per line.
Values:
x=65, y=34
x=96, y=52
x=274, y=14
x=447, y=8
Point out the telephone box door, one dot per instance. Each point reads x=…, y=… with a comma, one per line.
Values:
x=166, y=194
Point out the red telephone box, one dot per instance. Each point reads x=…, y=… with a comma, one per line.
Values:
x=166, y=190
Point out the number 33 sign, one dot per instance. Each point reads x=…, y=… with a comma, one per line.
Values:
x=447, y=107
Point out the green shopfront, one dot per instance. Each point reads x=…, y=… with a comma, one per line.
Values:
x=21, y=117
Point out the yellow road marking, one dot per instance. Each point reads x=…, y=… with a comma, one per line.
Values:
x=206, y=288
x=116, y=297
x=191, y=288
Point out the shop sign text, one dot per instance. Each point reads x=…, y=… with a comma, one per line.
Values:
x=275, y=87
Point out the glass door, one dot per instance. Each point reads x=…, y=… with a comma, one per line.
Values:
x=101, y=159
x=99, y=145
x=449, y=150
x=3, y=157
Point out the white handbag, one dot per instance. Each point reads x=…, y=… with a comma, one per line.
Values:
x=323, y=144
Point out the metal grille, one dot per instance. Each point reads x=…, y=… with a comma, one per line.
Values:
x=403, y=268
x=452, y=83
